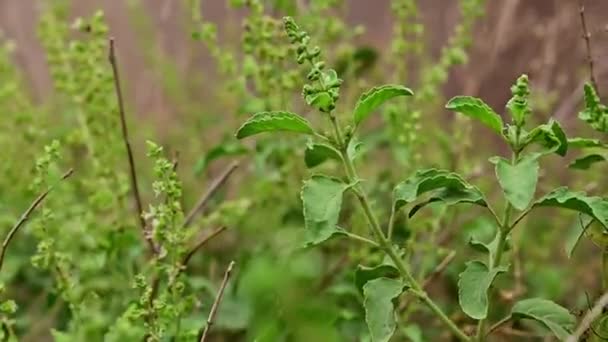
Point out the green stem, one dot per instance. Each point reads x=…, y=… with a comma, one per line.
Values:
x=385, y=243
x=503, y=233
x=605, y=269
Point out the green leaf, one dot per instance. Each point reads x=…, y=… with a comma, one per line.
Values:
x=364, y=274
x=551, y=136
x=322, y=199
x=553, y=316
x=315, y=154
x=585, y=143
x=354, y=149
x=562, y=197
x=473, y=285
x=322, y=101
x=574, y=237
x=379, y=310
x=476, y=109
x=375, y=97
x=229, y=149
x=274, y=122
x=446, y=186
x=518, y=182
x=486, y=247
x=584, y=163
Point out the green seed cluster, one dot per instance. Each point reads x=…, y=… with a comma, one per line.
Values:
x=323, y=91
x=595, y=113
x=519, y=104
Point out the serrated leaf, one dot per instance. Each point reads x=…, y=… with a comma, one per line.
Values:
x=375, y=97
x=558, y=319
x=585, y=143
x=315, y=154
x=551, y=136
x=585, y=162
x=473, y=285
x=364, y=274
x=476, y=109
x=562, y=197
x=446, y=186
x=379, y=310
x=518, y=182
x=322, y=200
x=278, y=121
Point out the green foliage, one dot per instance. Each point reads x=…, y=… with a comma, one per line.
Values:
x=379, y=311
x=556, y=318
x=375, y=97
x=473, y=285
x=477, y=109
x=322, y=200
x=273, y=122
x=518, y=182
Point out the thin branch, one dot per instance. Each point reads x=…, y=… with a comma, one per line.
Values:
x=200, y=245
x=589, y=318
x=439, y=269
x=361, y=239
x=25, y=216
x=217, y=301
x=587, y=38
x=215, y=186
x=125, y=137
x=431, y=277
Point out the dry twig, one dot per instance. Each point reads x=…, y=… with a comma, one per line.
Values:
x=125, y=137
x=587, y=37
x=589, y=318
x=217, y=301
x=25, y=216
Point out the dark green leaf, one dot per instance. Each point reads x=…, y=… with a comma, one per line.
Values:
x=584, y=163
x=316, y=154
x=477, y=109
x=595, y=207
x=553, y=316
x=375, y=97
x=322, y=199
x=379, y=311
x=364, y=274
x=274, y=122
x=551, y=136
x=518, y=182
x=486, y=247
x=473, y=285
x=446, y=186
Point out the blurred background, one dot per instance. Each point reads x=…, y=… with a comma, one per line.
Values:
x=192, y=72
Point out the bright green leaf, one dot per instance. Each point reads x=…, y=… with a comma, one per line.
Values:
x=574, y=237
x=518, y=182
x=446, y=186
x=379, y=311
x=585, y=162
x=322, y=199
x=315, y=154
x=558, y=319
x=595, y=207
x=375, y=97
x=473, y=285
x=477, y=109
x=585, y=143
x=274, y=122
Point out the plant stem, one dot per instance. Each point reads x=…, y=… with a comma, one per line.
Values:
x=382, y=240
x=503, y=232
x=605, y=269
x=216, y=303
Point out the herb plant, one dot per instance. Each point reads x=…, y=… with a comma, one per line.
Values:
x=322, y=196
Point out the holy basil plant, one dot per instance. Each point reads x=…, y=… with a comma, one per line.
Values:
x=323, y=195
